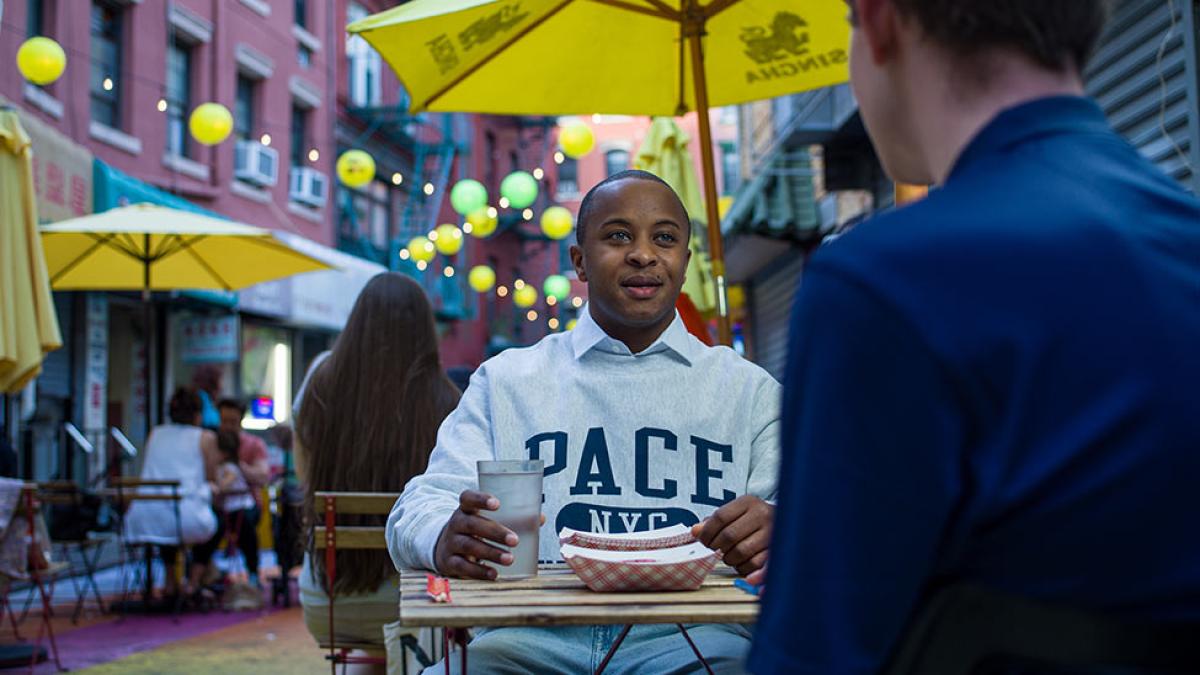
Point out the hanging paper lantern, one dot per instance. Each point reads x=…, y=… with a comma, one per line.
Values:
x=557, y=222
x=421, y=249
x=520, y=189
x=41, y=60
x=557, y=286
x=525, y=296
x=449, y=239
x=481, y=278
x=571, y=324
x=483, y=221
x=576, y=139
x=467, y=196
x=355, y=168
x=210, y=123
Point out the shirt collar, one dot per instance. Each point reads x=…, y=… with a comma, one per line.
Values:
x=588, y=335
x=1024, y=122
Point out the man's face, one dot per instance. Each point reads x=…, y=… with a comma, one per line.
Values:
x=231, y=419
x=634, y=255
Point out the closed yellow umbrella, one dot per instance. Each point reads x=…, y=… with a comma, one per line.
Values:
x=151, y=248
x=665, y=154
x=28, y=326
x=638, y=57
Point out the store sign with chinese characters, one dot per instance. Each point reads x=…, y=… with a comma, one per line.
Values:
x=95, y=363
x=210, y=339
x=62, y=172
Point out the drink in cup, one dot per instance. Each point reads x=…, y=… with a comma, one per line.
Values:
x=518, y=486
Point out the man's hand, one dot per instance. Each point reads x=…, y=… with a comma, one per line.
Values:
x=463, y=542
x=741, y=530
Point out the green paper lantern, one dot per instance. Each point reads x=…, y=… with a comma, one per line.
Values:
x=520, y=189
x=467, y=196
x=557, y=286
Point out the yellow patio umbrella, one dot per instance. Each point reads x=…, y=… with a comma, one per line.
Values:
x=152, y=248
x=665, y=154
x=639, y=57
x=28, y=326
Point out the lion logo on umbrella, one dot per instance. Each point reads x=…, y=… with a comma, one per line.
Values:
x=784, y=36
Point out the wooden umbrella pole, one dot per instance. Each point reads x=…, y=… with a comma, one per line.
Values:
x=694, y=30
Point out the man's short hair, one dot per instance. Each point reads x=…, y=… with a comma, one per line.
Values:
x=588, y=204
x=1056, y=34
x=232, y=403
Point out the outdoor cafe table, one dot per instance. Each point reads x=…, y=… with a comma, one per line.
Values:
x=556, y=597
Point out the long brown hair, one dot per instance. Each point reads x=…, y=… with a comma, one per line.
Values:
x=370, y=415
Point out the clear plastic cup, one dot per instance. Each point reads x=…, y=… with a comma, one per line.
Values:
x=518, y=486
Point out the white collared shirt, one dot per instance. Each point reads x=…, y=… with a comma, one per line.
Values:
x=630, y=442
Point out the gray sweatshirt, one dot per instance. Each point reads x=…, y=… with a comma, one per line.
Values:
x=631, y=442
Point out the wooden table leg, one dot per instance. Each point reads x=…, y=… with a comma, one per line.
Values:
x=613, y=649
x=694, y=649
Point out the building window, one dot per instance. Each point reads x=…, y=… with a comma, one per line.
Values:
x=299, y=135
x=179, y=97
x=243, y=108
x=365, y=64
x=615, y=161
x=731, y=169
x=105, y=83
x=371, y=214
x=36, y=18
x=301, y=13
x=568, y=178
x=304, y=56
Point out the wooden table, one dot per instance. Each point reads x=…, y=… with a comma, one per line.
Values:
x=556, y=597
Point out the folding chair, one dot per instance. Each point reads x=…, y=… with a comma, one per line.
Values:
x=124, y=491
x=87, y=546
x=331, y=537
x=29, y=509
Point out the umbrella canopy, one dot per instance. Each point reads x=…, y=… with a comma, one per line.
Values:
x=28, y=326
x=146, y=247
x=641, y=57
x=665, y=154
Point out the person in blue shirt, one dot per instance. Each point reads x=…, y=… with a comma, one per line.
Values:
x=998, y=385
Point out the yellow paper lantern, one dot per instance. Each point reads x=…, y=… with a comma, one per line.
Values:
x=483, y=221
x=557, y=222
x=449, y=240
x=525, y=296
x=481, y=278
x=576, y=139
x=421, y=249
x=355, y=168
x=210, y=123
x=41, y=60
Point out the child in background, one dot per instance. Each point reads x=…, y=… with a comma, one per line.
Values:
x=234, y=503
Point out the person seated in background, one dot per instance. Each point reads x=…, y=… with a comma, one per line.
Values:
x=179, y=450
x=640, y=426
x=252, y=451
x=368, y=422
x=237, y=512
x=995, y=386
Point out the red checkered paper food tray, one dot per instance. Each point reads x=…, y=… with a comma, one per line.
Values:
x=683, y=568
x=667, y=537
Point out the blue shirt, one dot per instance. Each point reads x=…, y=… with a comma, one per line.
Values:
x=998, y=385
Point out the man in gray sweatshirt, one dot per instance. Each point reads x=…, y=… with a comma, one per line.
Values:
x=640, y=426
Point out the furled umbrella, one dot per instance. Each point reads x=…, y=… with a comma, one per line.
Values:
x=28, y=325
x=639, y=57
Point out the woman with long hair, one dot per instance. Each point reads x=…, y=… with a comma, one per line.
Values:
x=368, y=422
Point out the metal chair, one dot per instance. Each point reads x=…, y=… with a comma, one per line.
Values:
x=29, y=509
x=124, y=490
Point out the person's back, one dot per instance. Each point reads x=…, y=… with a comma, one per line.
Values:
x=993, y=386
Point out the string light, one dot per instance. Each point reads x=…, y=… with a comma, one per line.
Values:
x=265, y=140
x=108, y=84
x=577, y=301
x=467, y=228
x=404, y=255
x=553, y=323
x=432, y=236
x=313, y=155
x=503, y=204
x=421, y=265
x=449, y=271
x=538, y=173
x=429, y=188
x=519, y=284
x=551, y=300
x=502, y=291
x=492, y=212
x=162, y=105
x=531, y=315
x=527, y=214
x=559, y=158
x=397, y=178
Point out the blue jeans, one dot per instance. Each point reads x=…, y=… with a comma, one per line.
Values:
x=658, y=649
